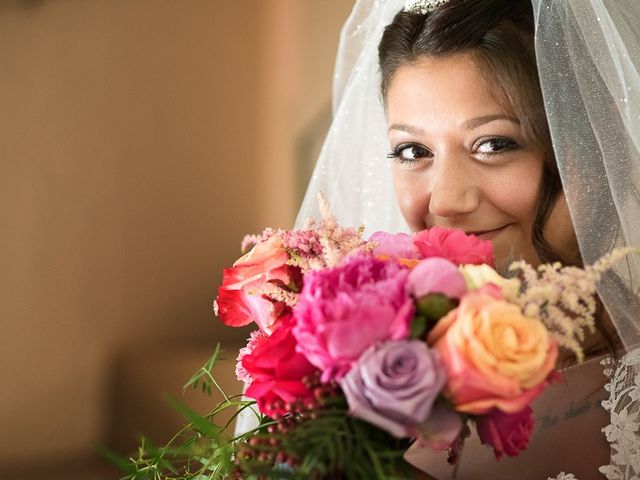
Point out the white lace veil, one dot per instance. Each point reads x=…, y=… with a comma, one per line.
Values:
x=588, y=56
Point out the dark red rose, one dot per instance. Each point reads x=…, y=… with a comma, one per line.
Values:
x=277, y=370
x=507, y=433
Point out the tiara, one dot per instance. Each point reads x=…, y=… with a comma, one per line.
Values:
x=422, y=7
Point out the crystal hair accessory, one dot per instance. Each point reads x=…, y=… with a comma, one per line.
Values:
x=423, y=7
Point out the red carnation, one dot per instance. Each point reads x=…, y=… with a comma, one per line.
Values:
x=454, y=245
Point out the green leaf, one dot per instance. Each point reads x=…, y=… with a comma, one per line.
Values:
x=122, y=463
x=419, y=327
x=203, y=376
x=200, y=424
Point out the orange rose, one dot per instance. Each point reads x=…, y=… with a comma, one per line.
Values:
x=495, y=356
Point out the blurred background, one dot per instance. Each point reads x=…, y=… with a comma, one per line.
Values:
x=139, y=141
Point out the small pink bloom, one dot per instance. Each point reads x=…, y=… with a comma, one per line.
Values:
x=396, y=246
x=342, y=311
x=255, y=338
x=507, y=433
x=454, y=245
x=436, y=275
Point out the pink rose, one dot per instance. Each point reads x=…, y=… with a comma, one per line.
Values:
x=454, y=245
x=342, y=311
x=276, y=371
x=239, y=299
x=436, y=275
x=495, y=357
x=507, y=433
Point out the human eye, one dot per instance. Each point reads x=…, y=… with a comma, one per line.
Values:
x=494, y=145
x=409, y=152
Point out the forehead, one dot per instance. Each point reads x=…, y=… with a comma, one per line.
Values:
x=439, y=90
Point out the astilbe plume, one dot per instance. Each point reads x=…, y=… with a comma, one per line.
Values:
x=564, y=297
x=318, y=245
x=324, y=243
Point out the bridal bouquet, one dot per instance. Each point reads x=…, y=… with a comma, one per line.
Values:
x=366, y=345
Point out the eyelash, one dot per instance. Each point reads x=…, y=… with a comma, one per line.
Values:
x=508, y=145
x=396, y=153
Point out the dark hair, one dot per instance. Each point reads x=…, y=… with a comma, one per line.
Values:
x=499, y=35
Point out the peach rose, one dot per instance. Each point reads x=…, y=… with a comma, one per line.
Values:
x=495, y=356
x=239, y=302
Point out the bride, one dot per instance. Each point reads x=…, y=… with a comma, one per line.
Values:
x=520, y=123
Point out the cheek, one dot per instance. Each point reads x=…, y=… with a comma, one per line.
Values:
x=412, y=197
x=559, y=230
x=518, y=199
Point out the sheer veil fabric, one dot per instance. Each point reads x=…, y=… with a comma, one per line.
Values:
x=588, y=54
x=588, y=57
x=352, y=170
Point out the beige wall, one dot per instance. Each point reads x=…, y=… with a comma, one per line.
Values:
x=139, y=140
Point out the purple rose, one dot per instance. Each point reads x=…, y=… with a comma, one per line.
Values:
x=394, y=385
x=436, y=275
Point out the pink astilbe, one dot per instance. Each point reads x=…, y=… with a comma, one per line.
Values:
x=326, y=243
x=249, y=241
x=564, y=297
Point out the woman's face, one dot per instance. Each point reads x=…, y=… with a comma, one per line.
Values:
x=462, y=161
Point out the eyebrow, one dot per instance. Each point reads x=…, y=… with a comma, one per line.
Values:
x=467, y=124
x=476, y=122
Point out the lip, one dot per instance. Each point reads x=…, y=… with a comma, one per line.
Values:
x=489, y=234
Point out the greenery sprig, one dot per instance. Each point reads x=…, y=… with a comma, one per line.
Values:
x=316, y=441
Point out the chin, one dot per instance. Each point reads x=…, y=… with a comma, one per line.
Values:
x=509, y=249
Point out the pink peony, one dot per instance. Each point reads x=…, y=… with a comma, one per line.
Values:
x=344, y=310
x=436, y=275
x=454, y=245
x=507, y=433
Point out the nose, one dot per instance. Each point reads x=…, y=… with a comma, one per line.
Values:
x=454, y=190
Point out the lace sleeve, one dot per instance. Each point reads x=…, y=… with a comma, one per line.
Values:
x=623, y=406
